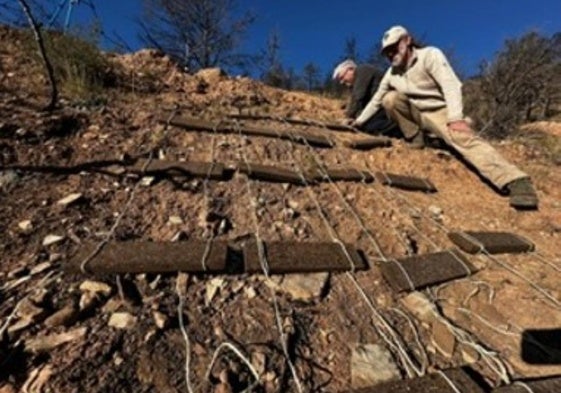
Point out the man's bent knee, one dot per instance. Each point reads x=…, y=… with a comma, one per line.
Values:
x=391, y=100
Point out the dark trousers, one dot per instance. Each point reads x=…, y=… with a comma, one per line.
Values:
x=380, y=124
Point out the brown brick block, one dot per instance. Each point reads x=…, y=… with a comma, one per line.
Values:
x=492, y=242
x=153, y=257
x=298, y=257
x=408, y=274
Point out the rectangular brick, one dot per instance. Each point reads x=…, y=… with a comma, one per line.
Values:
x=322, y=125
x=410, y=273
x=493, y=242
x=231, y=128
x=269, y=173
x=154, y=257
x=190, y=123
x=342, y=174
x=405, y=182
x=368, y=143
x=215, y=171
x=298, y=257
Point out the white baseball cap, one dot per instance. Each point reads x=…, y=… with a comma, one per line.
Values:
x=393, y=35
x=342, y=67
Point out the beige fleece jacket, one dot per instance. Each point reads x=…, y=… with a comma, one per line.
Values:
x=429, y=82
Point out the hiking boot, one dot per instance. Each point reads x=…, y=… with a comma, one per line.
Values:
x=522, y=194
x=417, y=142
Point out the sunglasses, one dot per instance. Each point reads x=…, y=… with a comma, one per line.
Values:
x=391, y=50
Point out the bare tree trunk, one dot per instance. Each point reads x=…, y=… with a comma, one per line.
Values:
x=48, y=66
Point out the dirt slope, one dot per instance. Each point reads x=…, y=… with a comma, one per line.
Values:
x=508, y=295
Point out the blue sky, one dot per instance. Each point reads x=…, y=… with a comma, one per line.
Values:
x=316, y=30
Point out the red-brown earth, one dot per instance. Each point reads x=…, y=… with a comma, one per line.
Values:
x=508, y=295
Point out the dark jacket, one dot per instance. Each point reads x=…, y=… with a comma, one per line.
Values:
x=365, y=85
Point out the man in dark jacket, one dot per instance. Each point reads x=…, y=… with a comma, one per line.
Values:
x=363, y=79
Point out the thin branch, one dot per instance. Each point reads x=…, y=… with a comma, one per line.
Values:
x=48, y=66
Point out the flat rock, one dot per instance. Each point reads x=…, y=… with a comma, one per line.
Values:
x=175, y=220
x=40, y=268
x=122, y=320
x=160, y=319
x=371, y=364
x=46, y=343
x=418, y=304
x=212, y=288
x=259, y=362
x=443, y=339
x=88, y=300
x=304, y=287
x=453, y=381
x=435, y=212
x=70, y=199
x=469, y=355
x=26, y=226
x=52, y=239
x=147, y=181
x=96, y=287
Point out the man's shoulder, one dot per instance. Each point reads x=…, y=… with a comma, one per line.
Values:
x=367, y=71
x=428, y=51
x=366, y=66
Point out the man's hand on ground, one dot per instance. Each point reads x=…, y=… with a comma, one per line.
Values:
x=460, y=126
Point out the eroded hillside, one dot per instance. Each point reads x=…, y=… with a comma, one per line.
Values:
x=73, y=332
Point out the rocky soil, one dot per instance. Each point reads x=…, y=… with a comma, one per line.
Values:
x=62, y=332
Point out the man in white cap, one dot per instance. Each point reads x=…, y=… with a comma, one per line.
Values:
x=421, y=92
x=363, y=80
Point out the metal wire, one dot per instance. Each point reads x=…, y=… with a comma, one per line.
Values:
x=500, y=369
x=524, y=386
x=390, y=336
x=265, y=267
x=102, y=243
x=449, y=382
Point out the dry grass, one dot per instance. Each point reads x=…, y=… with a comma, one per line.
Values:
x=81, y=70
x=544, y=137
